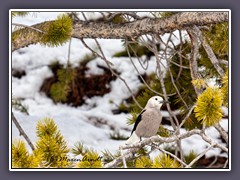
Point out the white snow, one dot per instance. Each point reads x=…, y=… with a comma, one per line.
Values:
x=77, y=124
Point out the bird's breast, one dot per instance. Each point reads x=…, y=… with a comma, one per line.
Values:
x=149, y=124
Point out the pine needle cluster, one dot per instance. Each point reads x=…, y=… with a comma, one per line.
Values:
x=165, y=161
x=17, y=104
x=58, y=31
x=91, y=159
x=21, y=158
x=51, y=144
x=225, y=89
x=208, y=107
x=60, y=90
x=19, y=13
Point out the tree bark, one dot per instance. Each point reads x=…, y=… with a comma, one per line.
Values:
x=130, y=30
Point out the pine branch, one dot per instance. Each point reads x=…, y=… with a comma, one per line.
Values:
x=22, y=133
x=99, y=29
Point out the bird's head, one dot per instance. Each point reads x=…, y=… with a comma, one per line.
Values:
x=156, y=102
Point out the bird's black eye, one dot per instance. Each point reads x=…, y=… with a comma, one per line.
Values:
x=156, y=99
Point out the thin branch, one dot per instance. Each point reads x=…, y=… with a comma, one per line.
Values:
x=69, y=52
x=145, y=83
x=209, y=51
x=84, y=16
x=212, y=163
x=193, y=60
x=22, y=132
x=210, y=141
x=108, y=63
x=222, y=132
x=186, y=117
x=200, y=155
x=113, y=72
x=170, y=154
x=180, y=57
x=226, y=163
x=176, y=88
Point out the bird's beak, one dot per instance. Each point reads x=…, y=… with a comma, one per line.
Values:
x=164, y=102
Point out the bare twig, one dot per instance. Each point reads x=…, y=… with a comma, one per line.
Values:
x=140, y=74
x=176, y=88
x=113, y=72
x=180, y=57
x=226, y=163
x=212, y=163
x=200, y=155
x=186, y=117
x=22, y=133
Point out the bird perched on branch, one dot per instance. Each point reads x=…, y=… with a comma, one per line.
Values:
x=148, y=121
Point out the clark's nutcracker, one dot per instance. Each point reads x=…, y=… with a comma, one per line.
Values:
x=148, y=121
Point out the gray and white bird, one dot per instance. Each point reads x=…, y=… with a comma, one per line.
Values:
x=148, y=121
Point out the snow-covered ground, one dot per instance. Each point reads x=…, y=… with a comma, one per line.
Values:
x=78, y=123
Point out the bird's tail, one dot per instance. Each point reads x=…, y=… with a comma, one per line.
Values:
x=132, y=139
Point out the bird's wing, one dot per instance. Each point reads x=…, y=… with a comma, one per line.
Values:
x=139, y=118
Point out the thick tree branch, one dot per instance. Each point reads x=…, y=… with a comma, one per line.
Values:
x=107, y=30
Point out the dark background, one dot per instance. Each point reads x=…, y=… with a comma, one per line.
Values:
x=114, y=4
